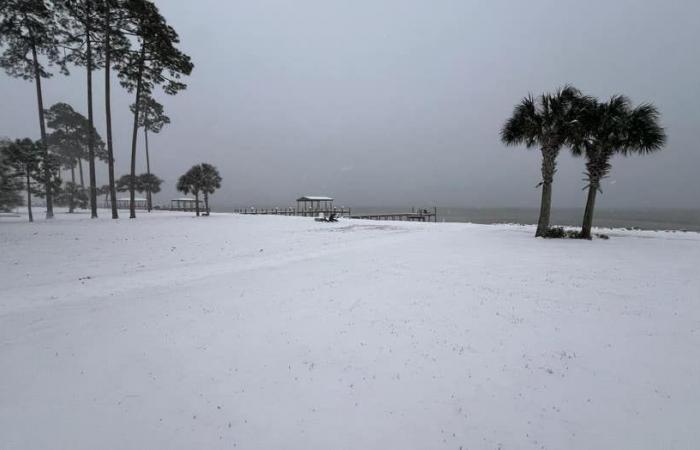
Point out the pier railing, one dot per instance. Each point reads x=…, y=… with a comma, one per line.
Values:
x=308, y=212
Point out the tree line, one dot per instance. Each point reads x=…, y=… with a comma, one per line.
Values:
x=588, y=127
x=129, y=38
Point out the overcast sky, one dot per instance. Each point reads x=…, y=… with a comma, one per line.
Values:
x=400, y=102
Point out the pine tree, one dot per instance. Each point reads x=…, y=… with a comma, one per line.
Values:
x=81, y=32
x=10, y=185
x=153, y=119
x=28, y=31
x=157, y=62
x=70, y=141
x=115, y=46
x=24, y=155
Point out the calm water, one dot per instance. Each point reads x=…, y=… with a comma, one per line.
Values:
x=655, y=219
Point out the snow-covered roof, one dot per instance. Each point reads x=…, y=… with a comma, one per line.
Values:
x=127, y=199
x=183, y=199
x=314, y=198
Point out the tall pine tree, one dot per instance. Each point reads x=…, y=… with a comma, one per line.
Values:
x=153, y=119
x=116, y=46
x=156, y=62
x=82, y=37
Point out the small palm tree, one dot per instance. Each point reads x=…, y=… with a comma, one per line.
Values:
x=610, y=128
x=149, y=183
x=212, y=182
x=548, y=122
x=192, y=182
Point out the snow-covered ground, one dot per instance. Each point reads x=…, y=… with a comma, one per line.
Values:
x=175, y=332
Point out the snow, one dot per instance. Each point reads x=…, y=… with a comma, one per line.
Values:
x=228, y=331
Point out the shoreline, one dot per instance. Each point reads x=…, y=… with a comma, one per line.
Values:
x=21, y=217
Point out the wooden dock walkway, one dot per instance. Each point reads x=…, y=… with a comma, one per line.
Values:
x=342, y=212
x=415, y=215
x=420, y=215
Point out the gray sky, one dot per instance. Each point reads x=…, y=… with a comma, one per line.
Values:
x=399, y=102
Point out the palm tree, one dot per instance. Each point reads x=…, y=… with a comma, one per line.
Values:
x=212, y=182
x=192, y=182
x=150, y=183
x=610, y=128
x=549, y=121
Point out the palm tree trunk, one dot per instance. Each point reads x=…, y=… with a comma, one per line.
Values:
x=71, y=199
x=590, y=206
x=108, y=111
x=549, y=157
x=134, y=134
x=148, y=164
x=29, y=197
x=80, y=167
x=196, y=202
x=206, y=202
x=91, y=133
x=44, y=139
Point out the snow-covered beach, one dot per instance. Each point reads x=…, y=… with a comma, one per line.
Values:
x=279, y=332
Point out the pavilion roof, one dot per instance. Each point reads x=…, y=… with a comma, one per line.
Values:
x=314, y=198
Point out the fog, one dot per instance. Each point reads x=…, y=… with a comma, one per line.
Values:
x=400, y=102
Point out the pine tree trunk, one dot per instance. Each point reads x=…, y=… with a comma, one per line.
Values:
x=134, y=134
x=196, y=202
x=590, y=206
x=80, y=167
x=71, y=199
x=148, y=164
x=44, y=139
x=108, y=111
x=29, y=197
x=549, y=157
x=91, y=131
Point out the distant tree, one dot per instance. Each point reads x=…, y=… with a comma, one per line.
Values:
x=50, y=164
x=152, y=118
x=104, y=190
x=72, y=195
x=24, y=155
x=192, y=182
x=123, y=184
x=610, y=128
x=10, y=184
x=142, y=183
x=211, y=182
x=149, y=183
x=202, y=178
x=548, y=122
x=70, y=141
x=157, y=62
x=28, y=29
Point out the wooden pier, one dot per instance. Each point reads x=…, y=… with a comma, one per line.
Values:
x=420, y=215
x=415, y=215
x=315, y=206
x=341, y=212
